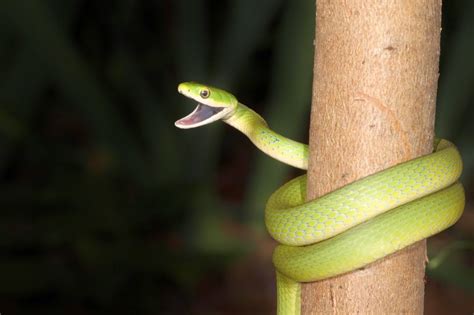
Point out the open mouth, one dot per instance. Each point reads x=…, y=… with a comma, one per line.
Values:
x=200, y=116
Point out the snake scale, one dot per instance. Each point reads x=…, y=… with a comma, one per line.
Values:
x=349, y=227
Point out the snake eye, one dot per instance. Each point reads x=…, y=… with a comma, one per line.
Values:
x=205, y=93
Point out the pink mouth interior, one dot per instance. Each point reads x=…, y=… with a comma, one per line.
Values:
x=201, y=113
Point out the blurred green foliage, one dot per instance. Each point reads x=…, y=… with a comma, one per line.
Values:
x=105, y=206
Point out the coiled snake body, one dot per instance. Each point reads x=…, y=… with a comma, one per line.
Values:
x=349, y=227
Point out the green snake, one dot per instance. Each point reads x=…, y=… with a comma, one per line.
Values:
x=349, y=227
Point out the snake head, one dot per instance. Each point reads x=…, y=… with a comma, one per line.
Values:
x=213, y=104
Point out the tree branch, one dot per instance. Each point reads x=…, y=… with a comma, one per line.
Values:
x=374, y=92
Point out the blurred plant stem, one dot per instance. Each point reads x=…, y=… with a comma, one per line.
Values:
x=448, y=267
x=447, y=251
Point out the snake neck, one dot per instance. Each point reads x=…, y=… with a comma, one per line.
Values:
x=268, y=141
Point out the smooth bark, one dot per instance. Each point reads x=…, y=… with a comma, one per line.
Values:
x=373, y=106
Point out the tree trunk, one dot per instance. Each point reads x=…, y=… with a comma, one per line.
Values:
x=374, y=92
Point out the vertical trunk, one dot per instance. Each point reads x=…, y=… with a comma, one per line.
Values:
x=374, y=91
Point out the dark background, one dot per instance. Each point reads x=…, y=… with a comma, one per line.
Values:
x=107, y=208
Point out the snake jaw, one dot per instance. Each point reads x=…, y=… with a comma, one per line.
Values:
x=201, y=115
